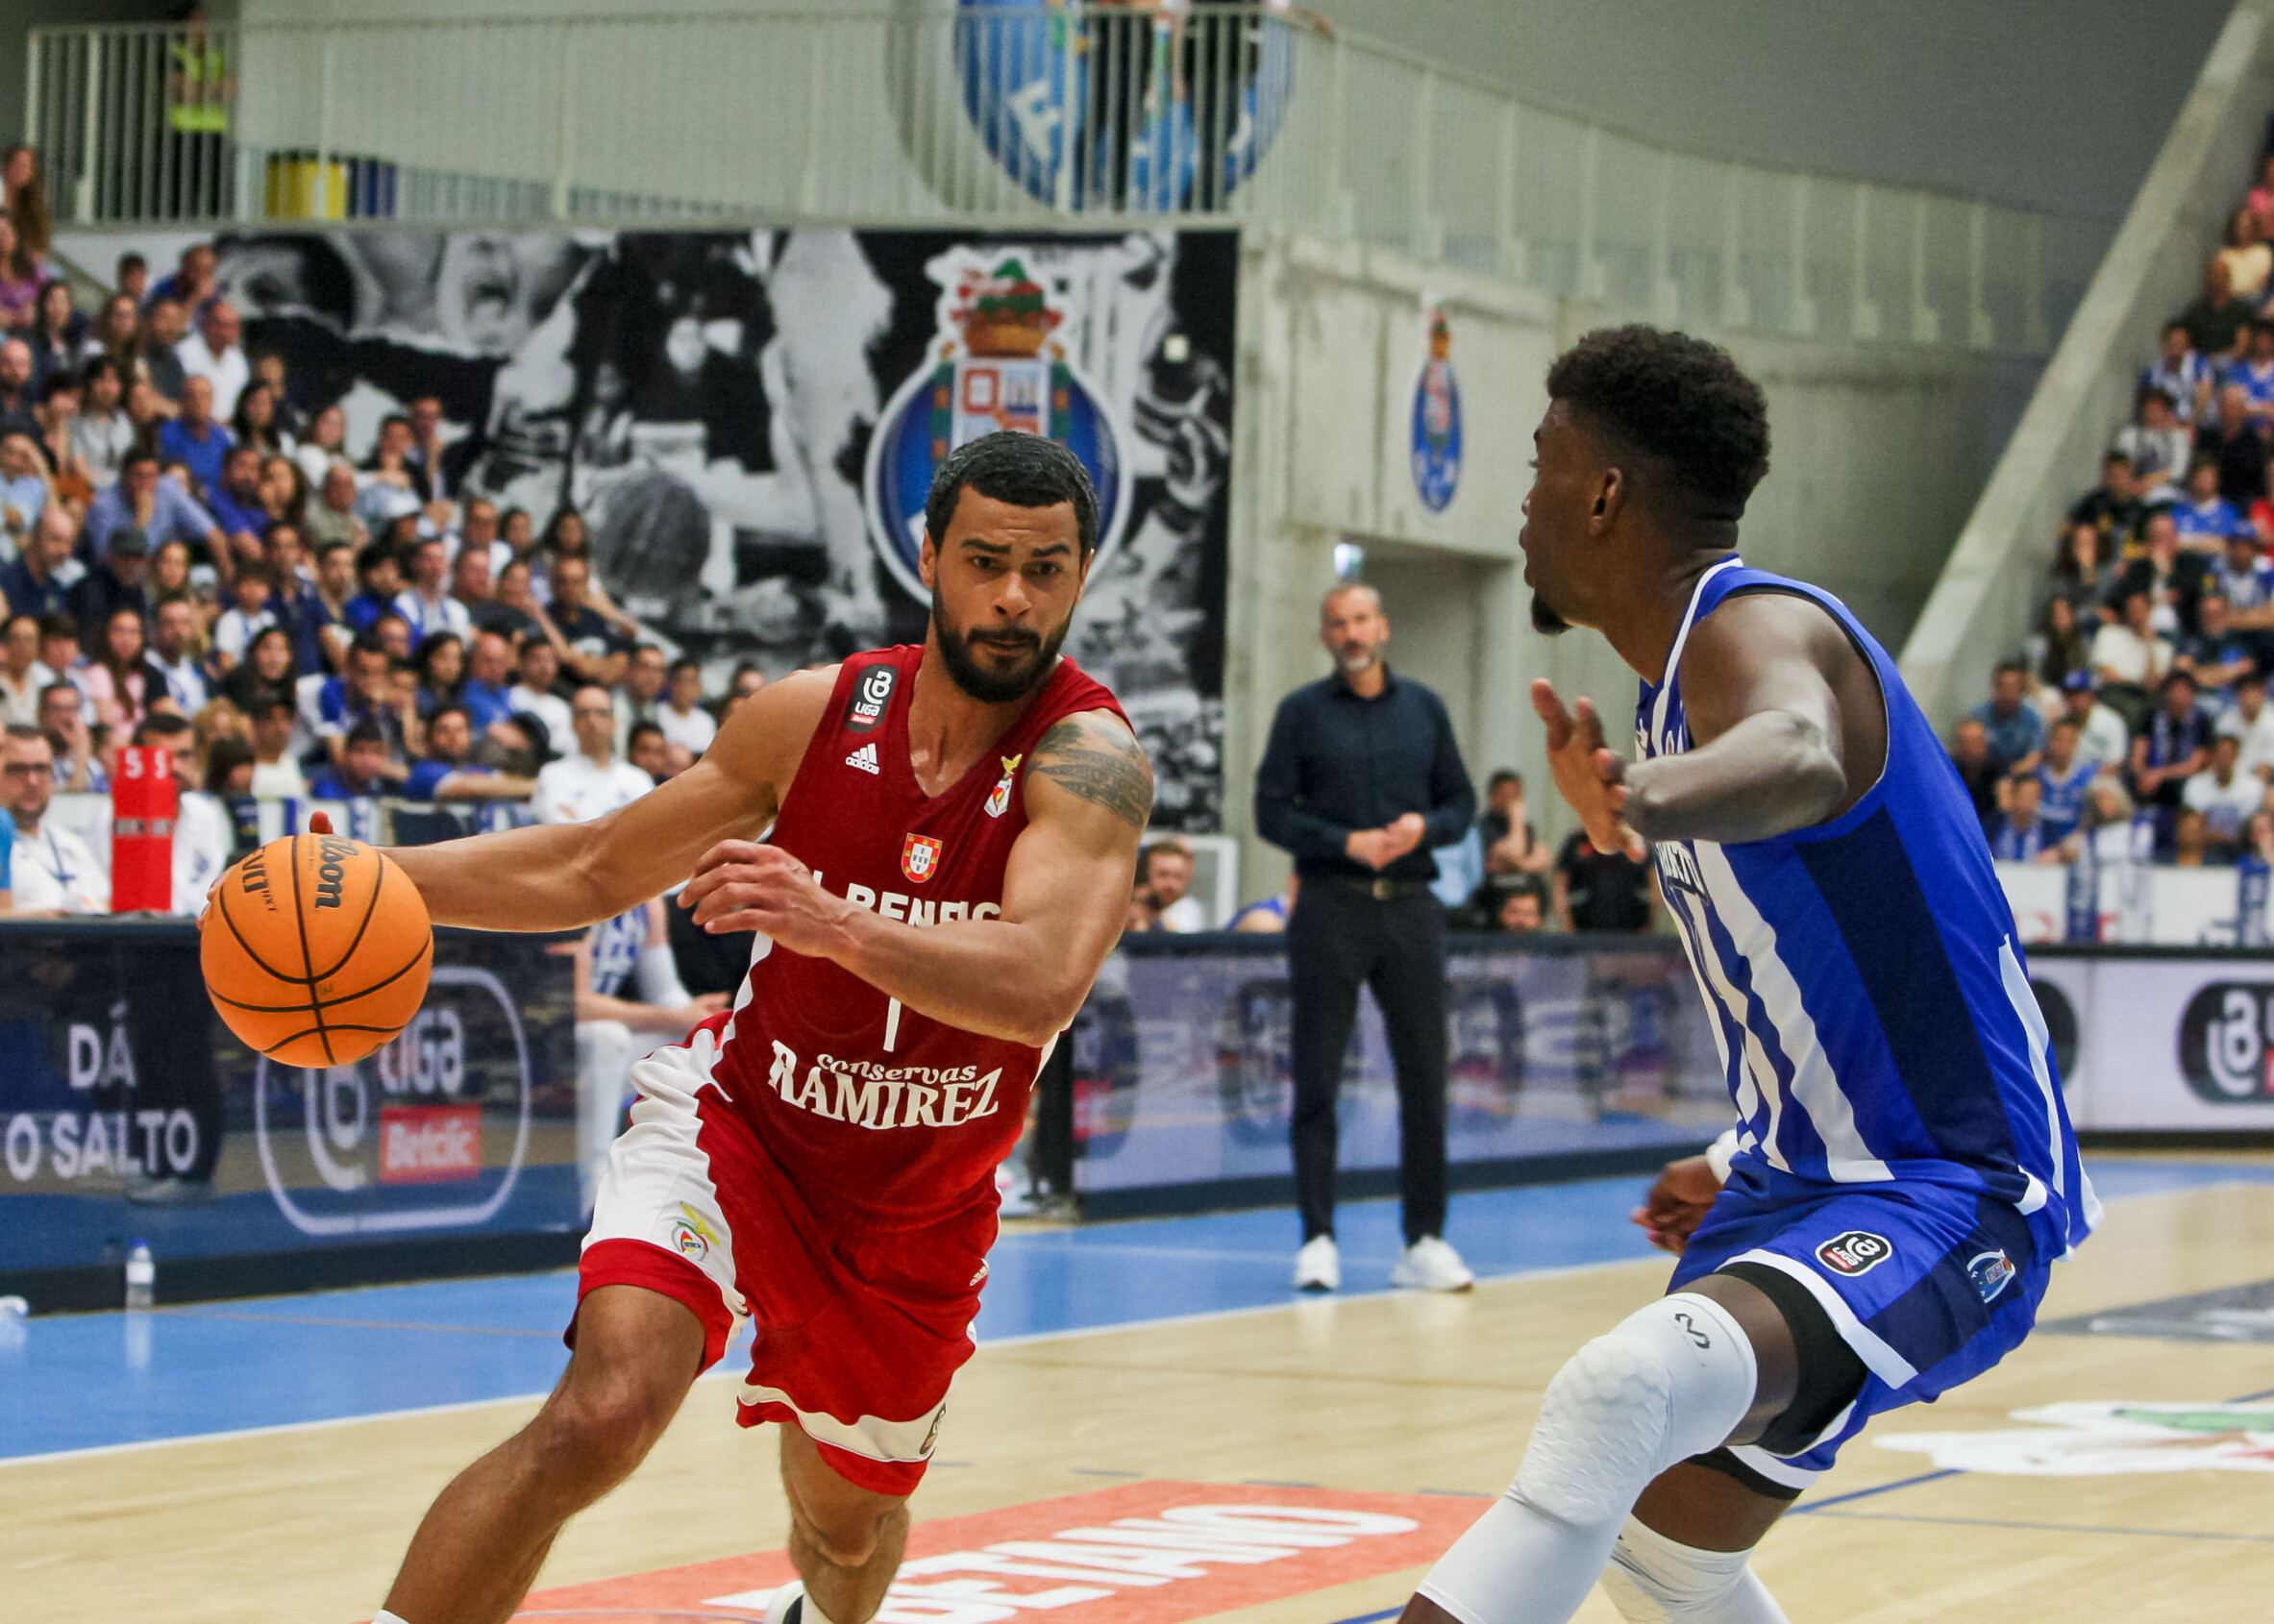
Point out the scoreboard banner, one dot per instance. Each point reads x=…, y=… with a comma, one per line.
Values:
x=128, y=1111
x=1557, y=1045
x=2173, y=1041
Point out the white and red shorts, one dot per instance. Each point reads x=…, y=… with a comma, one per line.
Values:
x=858, y=1334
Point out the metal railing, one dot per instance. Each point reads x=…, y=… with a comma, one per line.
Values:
x=930, y=112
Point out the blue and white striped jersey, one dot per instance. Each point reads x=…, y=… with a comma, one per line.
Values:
x=616, y=946
x=1868, y=999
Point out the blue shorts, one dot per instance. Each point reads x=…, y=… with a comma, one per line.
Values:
x=1930, y=1285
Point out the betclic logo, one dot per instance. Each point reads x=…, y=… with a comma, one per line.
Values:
x=2226, y=1043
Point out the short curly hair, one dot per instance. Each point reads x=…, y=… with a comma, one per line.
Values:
x=1676, y=401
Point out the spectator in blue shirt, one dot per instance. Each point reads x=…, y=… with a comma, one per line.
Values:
x=489, y=677
x=2016, y=731
x=2254, y=373
x=2206, y=519
x=144, y=500
x=2062, y=778
x=196, y=440
x=381, y=578
x=361, y=771
x=450, y=773
x=234, y=501
x=2020, y=836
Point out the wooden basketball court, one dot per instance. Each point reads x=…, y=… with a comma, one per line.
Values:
x=1403, y=1403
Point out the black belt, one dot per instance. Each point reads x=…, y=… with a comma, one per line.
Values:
x=1380, y=887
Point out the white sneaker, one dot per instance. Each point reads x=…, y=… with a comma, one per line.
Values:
x=1319, y=1265
x=1431, y=1264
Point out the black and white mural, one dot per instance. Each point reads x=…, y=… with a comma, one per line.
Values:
x=748, y=419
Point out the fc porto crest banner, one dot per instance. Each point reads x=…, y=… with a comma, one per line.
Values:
x=749, y=420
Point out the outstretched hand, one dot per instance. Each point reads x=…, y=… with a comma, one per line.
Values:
x=1592, y=778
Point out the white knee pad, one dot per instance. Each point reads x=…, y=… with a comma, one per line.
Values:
x=1669, y=1380
x=1651, y=1579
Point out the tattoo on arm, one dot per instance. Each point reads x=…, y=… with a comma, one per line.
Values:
x=1098, y=762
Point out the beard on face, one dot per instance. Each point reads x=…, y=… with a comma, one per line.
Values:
x=992, y=686
x=1546, y=621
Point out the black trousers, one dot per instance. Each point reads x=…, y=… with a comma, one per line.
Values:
x=1340, y=938
x=1050, y=1158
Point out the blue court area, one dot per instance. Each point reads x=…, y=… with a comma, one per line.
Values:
x=105, y=1379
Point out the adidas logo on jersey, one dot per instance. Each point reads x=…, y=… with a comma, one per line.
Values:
x=865, y=759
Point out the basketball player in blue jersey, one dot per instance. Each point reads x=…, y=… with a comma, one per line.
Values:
x=1879, y=1225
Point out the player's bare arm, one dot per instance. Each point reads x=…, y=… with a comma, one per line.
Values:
x=1065, y=896
x=567, y=875
x=1780, y=706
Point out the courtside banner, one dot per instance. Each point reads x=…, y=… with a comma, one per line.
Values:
x=1145, y=1553
x=127, y=1109
x=2161, y=1042
x=1555, y=1045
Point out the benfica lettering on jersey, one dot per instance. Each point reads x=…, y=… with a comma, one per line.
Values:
x=878, y=1113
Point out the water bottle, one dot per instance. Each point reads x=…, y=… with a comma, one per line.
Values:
x=142, y=1275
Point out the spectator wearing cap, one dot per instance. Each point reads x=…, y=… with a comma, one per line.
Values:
x=215, y=352
x=2206, y=519
x=2159, y=446
x=196, y=438
x=117, y=581
x=2021, y=834
x=2172, y=746
x=2182, y=374
x=2062, y=778
x=155, y=508
x=2103, y=736
x=2015, y=732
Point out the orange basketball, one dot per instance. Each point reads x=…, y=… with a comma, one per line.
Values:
x=316, y=949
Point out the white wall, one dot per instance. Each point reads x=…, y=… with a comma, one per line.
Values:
x=1879, y=452
x=2047, y=103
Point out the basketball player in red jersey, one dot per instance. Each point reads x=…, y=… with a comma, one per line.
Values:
x=953, y=831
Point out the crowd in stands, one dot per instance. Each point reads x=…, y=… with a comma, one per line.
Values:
x=186, y=538
x=2138, y=723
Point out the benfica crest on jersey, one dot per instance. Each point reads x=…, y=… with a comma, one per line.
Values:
x=998, y=799
x=920, y=858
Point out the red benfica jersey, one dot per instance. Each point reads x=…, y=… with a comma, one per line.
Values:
x=873, y=1112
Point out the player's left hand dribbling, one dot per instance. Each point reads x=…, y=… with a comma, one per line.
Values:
x=741, y=885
